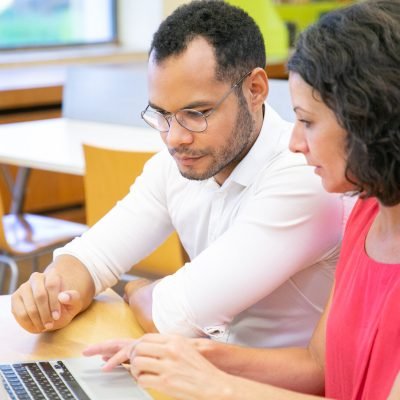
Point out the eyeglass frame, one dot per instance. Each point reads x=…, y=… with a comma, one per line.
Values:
x=168, y=116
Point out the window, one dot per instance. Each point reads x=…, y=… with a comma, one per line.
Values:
x=45, y=23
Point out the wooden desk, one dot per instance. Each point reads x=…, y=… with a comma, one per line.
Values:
x=108, y=317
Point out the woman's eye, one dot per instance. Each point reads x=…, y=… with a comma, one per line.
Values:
x=306, y=123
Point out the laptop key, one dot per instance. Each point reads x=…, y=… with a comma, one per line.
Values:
x=14, y=385
x=72, y=382
x=44, y=383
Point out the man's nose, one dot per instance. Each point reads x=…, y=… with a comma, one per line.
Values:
x=177, y=134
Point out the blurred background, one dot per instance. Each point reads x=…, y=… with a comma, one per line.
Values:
x=28, y=24
x=42, y=40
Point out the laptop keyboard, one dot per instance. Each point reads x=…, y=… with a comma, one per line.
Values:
x=41, y=381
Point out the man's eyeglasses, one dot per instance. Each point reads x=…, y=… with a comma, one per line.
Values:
x=192, y=120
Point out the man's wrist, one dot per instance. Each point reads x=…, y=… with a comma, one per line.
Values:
x=139, y=296
x=133, y=286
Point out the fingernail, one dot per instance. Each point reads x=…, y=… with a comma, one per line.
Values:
x=48, y=325
x=63, y=297
x=55, y=315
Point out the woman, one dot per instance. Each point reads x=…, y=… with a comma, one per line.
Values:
x=345, y=88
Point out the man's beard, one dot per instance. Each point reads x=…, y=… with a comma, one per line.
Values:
x=231, y=152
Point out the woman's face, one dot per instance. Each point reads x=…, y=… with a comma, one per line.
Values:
x=318, y=135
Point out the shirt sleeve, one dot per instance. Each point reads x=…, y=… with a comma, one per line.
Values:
x=127, y=233
x=288, y=224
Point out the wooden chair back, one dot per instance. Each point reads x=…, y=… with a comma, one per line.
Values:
x=4, y=246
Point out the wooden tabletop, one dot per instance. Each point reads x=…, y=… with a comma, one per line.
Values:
x=107, y=318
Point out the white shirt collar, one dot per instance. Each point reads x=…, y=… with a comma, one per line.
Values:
x=263, y=149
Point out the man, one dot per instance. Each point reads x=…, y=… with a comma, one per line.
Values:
x=261, y=233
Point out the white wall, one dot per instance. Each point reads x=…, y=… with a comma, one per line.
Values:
x=138, y=20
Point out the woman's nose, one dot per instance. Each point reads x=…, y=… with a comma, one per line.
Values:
x=298, y=143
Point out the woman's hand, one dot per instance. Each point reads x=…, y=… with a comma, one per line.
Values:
x=114, y=352
x=172, y=365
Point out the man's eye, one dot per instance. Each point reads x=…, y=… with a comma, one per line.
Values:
x=193, y=114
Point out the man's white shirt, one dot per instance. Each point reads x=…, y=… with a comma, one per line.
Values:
x=263, y=246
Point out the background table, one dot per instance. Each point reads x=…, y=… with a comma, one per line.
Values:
x=56, y=145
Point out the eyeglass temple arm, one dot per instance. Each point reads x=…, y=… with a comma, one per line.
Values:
x=229, y=92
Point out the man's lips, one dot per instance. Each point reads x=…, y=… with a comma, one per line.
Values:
x=186, y=160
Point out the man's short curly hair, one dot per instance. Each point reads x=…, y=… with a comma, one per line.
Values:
x=237, y=41
x=351, y=57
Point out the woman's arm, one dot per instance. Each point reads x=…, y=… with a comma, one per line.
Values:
x=199, y=368
x=300, y=369
x=170, y=364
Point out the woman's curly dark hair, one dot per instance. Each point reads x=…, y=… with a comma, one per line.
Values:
x=237, y=41
x=351, y=57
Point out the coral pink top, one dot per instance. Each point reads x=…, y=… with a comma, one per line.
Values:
x=363, y=329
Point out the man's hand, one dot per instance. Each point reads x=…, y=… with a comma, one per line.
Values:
x=41, y=304
x=50, y=300
x=139, y=296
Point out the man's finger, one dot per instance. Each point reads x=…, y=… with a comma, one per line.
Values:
x=53, y=285
x=32, y=313
x=19, y=312
x=69, y=297
x=41, y=297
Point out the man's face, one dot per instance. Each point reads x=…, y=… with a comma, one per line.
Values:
x=188, y=81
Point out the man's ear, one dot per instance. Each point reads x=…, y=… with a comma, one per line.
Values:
x=257, y=85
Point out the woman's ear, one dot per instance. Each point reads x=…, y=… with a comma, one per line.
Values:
x=258, y=88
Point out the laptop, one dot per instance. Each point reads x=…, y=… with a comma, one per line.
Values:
x=72, y=379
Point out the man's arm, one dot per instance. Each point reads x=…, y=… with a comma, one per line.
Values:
x=279, y=231
x=124, y=236
x=138, y=294
x=50, y=300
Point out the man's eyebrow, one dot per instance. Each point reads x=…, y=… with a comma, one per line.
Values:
x=155, y=107
x=194, y=104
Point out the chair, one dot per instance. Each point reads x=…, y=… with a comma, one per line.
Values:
x=28, y=236
x=108, y=177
